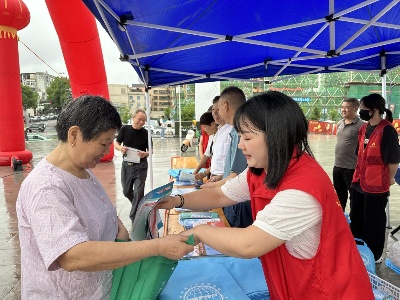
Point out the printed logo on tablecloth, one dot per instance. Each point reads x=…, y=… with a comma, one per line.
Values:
x=366, y=259
x=202, y=291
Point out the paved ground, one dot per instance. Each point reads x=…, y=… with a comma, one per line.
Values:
x=109, y=175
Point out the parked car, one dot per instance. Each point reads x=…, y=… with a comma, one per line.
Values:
x=35, y=119
x=145, y=126
x=36, y=127
x=36, y=137
x=157, y=130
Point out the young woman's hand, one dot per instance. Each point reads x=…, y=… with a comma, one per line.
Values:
x=169, y=202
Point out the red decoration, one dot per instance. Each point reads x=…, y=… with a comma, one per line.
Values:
x=80, y=44
x=14, y=15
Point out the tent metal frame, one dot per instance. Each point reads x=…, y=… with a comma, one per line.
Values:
x=249, y=38
x=327, y=22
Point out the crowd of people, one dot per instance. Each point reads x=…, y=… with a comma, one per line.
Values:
x=280, y=203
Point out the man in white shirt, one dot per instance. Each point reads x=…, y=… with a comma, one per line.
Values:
x=221, y=143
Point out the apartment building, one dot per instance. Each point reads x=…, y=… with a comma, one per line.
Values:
x=38, y=82
x=134, y=96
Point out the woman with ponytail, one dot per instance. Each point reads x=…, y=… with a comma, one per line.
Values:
x=378, y=158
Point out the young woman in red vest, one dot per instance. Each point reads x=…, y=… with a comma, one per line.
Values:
x=378, y=158
x=299, y=231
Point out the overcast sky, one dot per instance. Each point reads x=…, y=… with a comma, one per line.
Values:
x=40, y=36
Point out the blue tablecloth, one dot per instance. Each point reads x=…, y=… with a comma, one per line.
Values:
x=217, y=278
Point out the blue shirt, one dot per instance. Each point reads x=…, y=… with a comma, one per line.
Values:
x=235, y=161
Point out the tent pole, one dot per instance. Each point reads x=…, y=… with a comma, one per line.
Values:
x=148, y=110
x=383, y=75
x=384, y=87
x=150, y=147
x=180, y=111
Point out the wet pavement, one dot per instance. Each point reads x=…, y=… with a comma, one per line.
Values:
x=109, y=176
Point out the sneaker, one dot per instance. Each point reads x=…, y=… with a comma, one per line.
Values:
x=379, y=260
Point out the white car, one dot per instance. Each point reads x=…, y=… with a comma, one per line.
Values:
x=154, y=130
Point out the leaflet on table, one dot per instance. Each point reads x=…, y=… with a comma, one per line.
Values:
x=189, y=223
x=185, y=176
x=147, y=221
x=184, y=183
x=174, y=173
x=198, y=215
x=183, y=191
x=203, y=249
x=132, y=155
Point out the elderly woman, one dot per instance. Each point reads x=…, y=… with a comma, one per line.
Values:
x=299, y=232
x=67, y=224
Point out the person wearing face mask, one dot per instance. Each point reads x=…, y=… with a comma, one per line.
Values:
x=378, y=158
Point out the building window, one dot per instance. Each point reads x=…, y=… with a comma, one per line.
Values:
x=138, y=98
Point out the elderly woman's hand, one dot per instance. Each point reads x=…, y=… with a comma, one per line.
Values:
x=174, y=247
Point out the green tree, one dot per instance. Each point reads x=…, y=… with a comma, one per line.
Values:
x=59, y=92
x=124, y=113
x=333, y=114
x=29, y=97
x=167, y=112
x=315, y=113
x=188, y=112
x=305, y=111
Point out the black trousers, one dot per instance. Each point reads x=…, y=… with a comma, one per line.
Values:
x=133, y=178
x=368, y=220
x=341, y=182
x=239, y=215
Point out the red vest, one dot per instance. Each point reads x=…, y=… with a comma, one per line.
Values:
x=337, y=270
x=371, y=172
x=205, y=142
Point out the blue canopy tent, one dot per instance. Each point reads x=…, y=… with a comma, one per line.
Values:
x=175, y=41
x=180, y=41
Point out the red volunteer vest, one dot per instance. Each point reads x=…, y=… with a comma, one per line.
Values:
x=371, y=172
x=205, y=142
x=336, y=271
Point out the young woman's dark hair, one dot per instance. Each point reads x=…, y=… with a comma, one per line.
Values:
x=376, y=101
x=92, y=114
x=285, y=127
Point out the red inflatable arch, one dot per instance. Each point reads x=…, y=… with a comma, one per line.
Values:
x=80, y=43
x=14, y=15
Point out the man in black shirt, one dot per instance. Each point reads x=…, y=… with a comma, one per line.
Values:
x=134, y=174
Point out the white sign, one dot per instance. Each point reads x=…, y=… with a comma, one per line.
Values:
x=204, y=95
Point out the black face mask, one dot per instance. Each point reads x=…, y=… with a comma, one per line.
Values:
x=364, y=114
